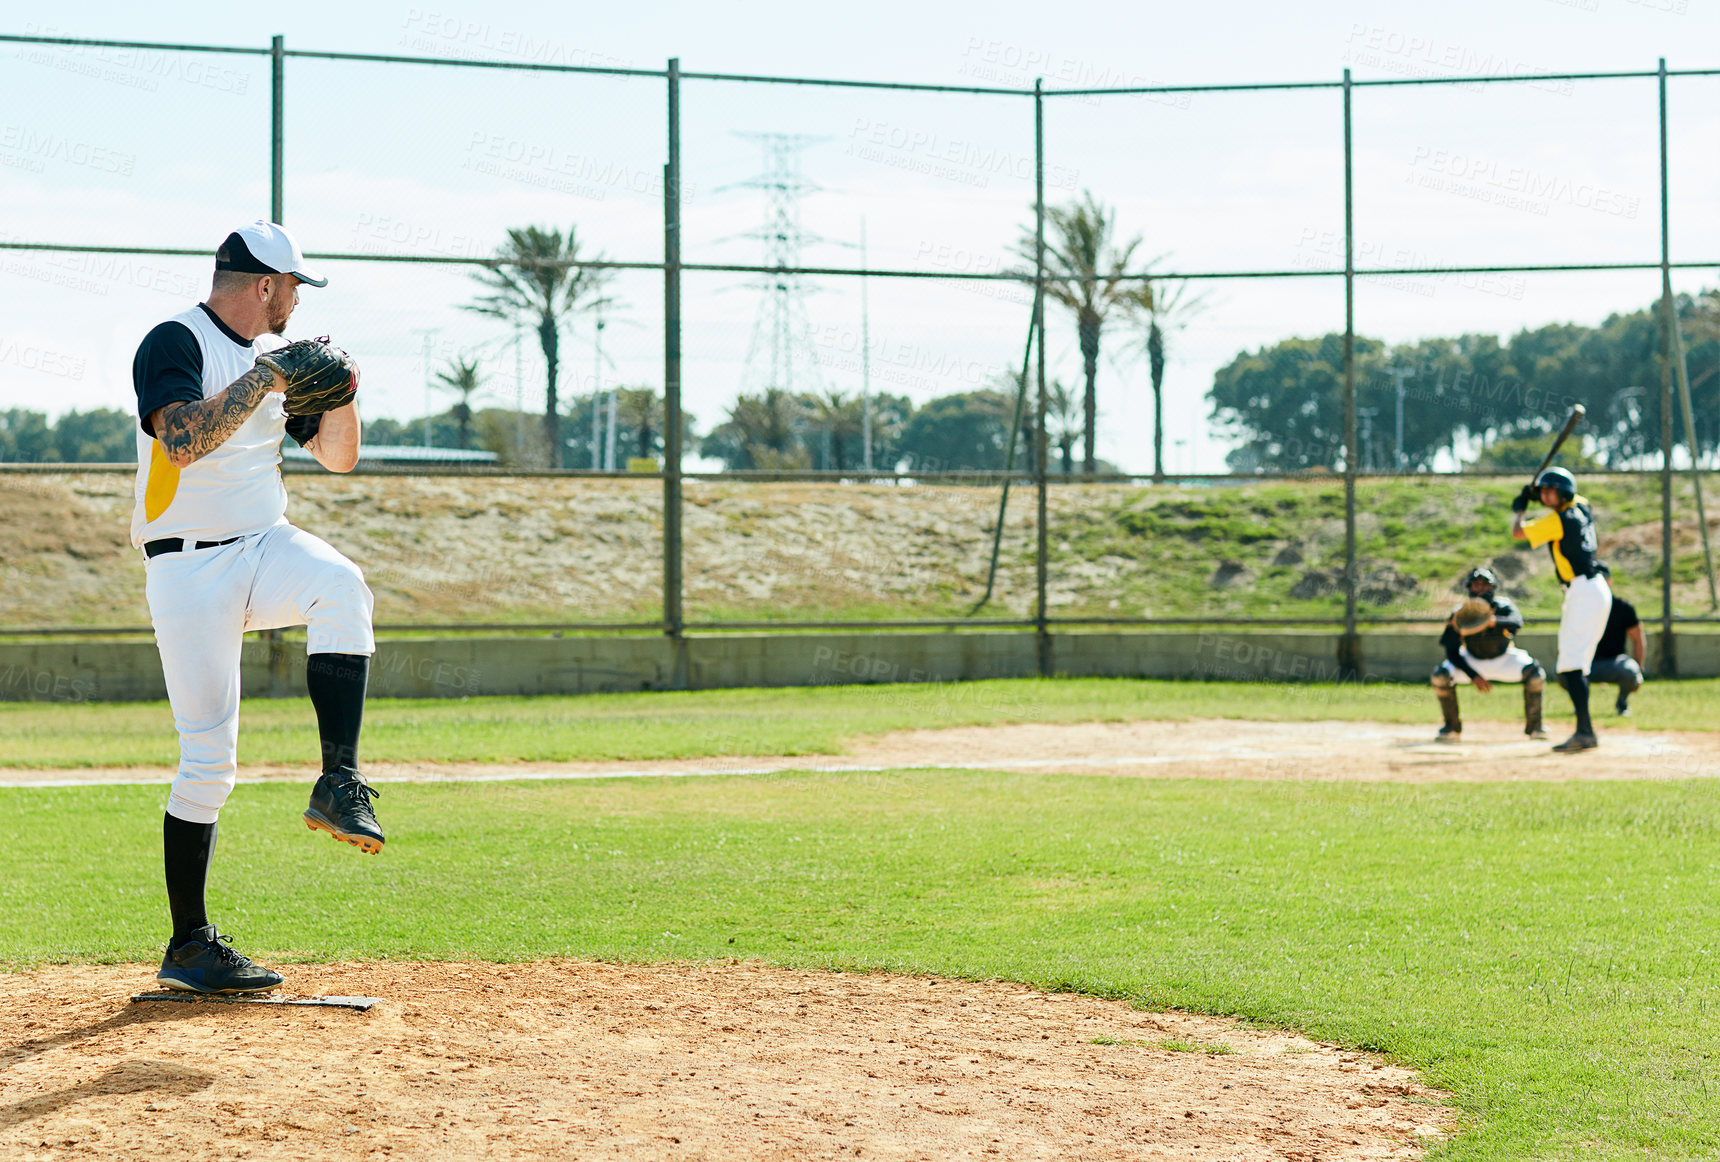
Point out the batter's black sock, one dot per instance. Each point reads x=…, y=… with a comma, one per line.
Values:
x=337, y=683
x=1576, y=684
x=187, y=849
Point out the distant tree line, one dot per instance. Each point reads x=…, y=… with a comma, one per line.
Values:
x=103, y=436
x=1283, y=405
x=960, y=432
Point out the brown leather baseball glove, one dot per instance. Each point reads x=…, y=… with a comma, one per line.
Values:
x=318, y=377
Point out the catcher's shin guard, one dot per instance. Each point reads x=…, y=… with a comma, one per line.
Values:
x=1534, y=681
x=1446, y=691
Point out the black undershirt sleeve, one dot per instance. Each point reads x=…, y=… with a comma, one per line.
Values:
x=168, y=369
x=1453, y=643
x=303, y=428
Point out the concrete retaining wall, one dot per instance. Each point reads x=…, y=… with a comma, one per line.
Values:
x=121, y=671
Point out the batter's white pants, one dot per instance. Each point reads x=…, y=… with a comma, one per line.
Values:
x=1507, y=667
x=202, y=602
x=1588, y=602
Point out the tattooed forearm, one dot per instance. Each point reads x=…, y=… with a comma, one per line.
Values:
x=190, y=431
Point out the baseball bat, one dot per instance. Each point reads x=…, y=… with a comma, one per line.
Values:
x=1577, y=414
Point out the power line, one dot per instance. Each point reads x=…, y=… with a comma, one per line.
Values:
x=781, y=354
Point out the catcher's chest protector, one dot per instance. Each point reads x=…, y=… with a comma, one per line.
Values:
x=1490, y=642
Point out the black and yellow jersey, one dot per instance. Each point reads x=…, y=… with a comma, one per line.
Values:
x=1569, y=534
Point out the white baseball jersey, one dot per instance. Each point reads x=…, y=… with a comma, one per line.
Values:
x=235, y=490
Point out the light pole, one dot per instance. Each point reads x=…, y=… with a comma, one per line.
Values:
x=1366, y=415
x=519, y=393
x=1400, y=374
x=427, y=332
x=597, y=401
x=865, y=358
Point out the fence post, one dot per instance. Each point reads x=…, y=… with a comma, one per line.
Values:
x=273, y=639
x=1041, y=624
x=1679, y=367
x=1668, y=641
x=1350, y=646
x=277, y=127
x=673, y=620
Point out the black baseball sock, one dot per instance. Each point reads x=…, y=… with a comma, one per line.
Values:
x=187, y=849
x=337, y=683
x=1576, y=684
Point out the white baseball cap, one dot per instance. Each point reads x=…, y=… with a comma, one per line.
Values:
x=266, y=248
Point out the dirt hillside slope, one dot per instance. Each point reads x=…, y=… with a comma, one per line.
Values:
x=446, y=549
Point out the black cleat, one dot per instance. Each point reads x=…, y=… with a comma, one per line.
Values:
x=1448, y=735
x=1578, y=742
x=1623, y=707
x=340, y=805
x=208, y=963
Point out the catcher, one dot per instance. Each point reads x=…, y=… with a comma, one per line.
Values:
x=1479, y=650
x=216, y=394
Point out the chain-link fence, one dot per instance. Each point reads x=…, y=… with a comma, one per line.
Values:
x=931, y=451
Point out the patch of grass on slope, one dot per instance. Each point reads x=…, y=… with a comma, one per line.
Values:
x=1285, y=540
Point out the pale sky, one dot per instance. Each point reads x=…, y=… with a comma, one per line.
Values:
x=172, y=150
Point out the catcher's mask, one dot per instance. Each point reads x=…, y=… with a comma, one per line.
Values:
x=1484, y=575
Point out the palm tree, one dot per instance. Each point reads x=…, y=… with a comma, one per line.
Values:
x=462, y=377
x=762, y=431
x=1063, y=421
x=1165, y=306
x=639, y=412
x=1085, y=269
x=837, y=415
x=533, y=280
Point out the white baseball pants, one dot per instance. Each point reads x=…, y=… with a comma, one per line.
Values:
x=202, y=601
x=1588, y=602
x=1507, y=667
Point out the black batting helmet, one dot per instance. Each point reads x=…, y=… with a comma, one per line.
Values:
x=1559, y=479
x=1481, y=573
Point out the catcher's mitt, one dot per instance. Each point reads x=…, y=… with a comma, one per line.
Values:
x=1472, y=616
x=318, y=377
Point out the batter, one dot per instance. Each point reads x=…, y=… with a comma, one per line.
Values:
x=1568, y=531
x=221, y=559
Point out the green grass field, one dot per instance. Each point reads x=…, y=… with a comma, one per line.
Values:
x=810, y=721
x=1546, y=952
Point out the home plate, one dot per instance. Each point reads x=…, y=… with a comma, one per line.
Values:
x=362, y=1004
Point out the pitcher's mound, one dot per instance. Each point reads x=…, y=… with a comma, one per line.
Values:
x=581, y=1060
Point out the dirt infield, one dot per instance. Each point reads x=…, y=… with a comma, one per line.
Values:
x=572, y=1059
x=1208, y=749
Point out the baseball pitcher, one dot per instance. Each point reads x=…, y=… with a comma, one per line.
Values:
x=1479, y=648
x=217, y=391
x=1567, y=528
